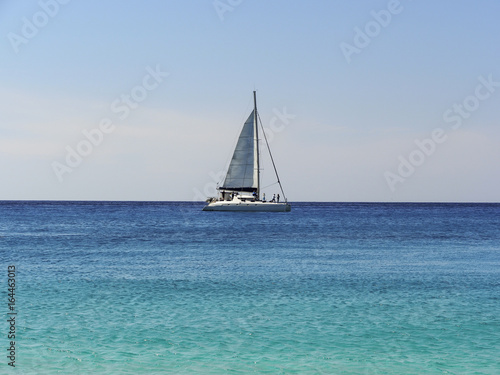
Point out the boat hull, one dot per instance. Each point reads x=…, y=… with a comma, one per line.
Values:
x=247, y=206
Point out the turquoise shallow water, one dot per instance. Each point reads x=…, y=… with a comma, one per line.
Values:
x=131, y=288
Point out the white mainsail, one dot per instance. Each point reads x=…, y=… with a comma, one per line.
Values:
x=243, y=171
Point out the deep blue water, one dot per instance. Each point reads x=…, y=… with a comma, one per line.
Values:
x=341, y=288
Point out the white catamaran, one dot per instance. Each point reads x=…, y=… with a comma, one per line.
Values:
x=241, y=188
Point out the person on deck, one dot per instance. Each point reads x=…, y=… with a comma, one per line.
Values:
x=278, y=198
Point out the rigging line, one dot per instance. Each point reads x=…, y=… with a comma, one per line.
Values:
x=265, y=187
x=271, y=155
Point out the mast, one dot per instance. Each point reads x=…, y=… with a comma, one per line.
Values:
x=256, y=140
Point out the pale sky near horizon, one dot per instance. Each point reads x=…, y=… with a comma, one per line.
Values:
x=363, y=100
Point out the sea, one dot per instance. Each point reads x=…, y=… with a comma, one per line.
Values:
x=328, y=288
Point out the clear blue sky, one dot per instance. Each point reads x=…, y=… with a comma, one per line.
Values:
x=355, y=119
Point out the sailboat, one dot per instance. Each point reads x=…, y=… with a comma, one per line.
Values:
x=240, y=190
